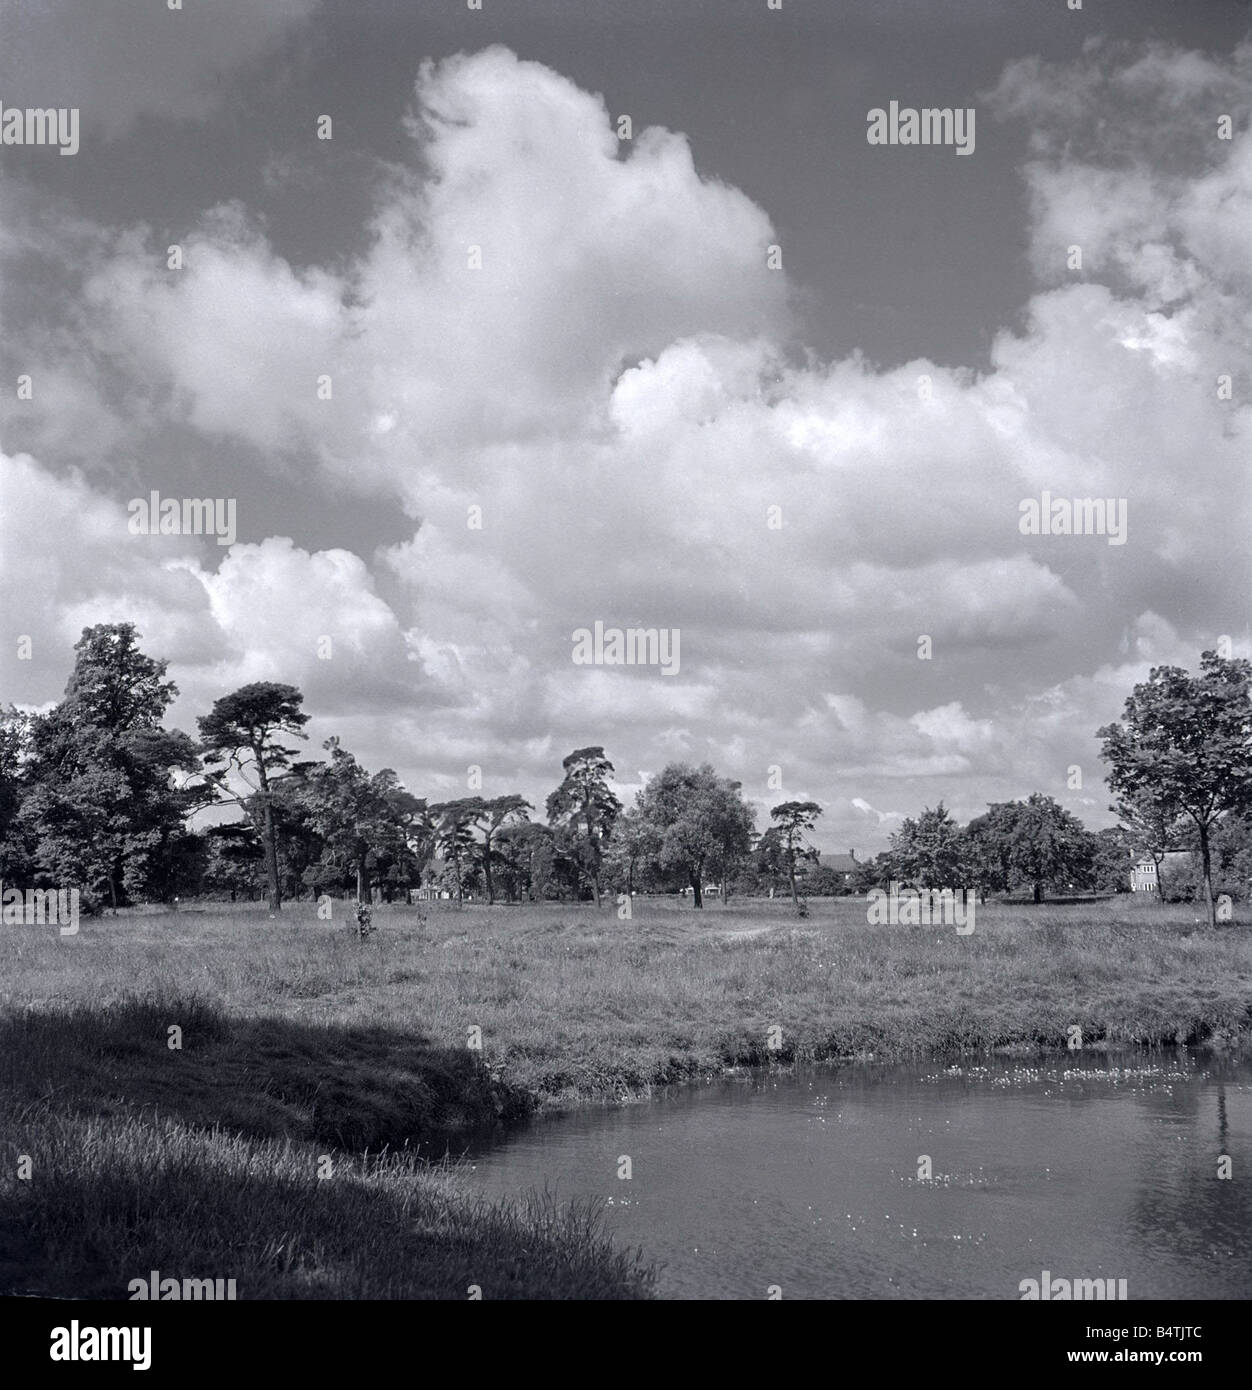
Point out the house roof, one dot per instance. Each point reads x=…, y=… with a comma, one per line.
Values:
x=840, y=863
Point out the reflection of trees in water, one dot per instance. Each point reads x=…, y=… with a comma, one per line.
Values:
x=1179, y=1202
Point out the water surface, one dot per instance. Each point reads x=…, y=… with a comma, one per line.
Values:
x=814, y=1182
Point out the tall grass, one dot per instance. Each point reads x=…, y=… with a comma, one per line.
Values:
x=299, y=1039
x=110, y=1200
x=570, y=1001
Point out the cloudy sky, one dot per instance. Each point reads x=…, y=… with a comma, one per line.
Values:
x=804, y=468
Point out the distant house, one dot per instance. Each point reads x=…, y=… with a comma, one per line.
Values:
x=842, y=865
x=1143, y=877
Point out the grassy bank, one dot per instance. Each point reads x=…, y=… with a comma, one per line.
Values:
x=110, y=1200
x=299, y=1040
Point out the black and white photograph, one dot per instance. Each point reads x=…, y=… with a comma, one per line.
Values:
x=625, y=665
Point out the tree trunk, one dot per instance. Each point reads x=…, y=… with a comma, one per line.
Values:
x=491, y=892
x=591, y=845
x=362, y=879
x=695, y=885
x=1207, y=866
x=1038, y=891
x=791, y=873
x=271, y=841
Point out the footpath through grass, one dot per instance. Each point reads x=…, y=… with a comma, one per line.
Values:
x=302, y=1045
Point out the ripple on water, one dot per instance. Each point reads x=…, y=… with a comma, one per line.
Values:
x=1101, y=1168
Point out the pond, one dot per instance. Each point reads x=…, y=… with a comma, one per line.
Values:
x=816, y=1182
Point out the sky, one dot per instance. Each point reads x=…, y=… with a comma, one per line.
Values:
x=727, y=370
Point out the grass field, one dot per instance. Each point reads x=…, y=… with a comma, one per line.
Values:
x=303, y=1045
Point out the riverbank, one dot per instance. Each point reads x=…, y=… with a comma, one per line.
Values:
x=297, y=1043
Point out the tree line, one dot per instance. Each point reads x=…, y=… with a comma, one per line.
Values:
x=1036, y=847
x=98, y=793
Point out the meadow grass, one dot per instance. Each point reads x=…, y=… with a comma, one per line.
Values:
x=299, y=1039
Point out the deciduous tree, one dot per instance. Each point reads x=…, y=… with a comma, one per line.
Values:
x=101, y=806
x=701, y=818
x=1185, y=742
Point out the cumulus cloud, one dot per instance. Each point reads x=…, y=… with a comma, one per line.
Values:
x=273, y=611
x=239, y=338
x=503, y=291
x=608, y=420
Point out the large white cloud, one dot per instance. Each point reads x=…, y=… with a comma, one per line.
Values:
x=272, y=611
x=607, y=421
